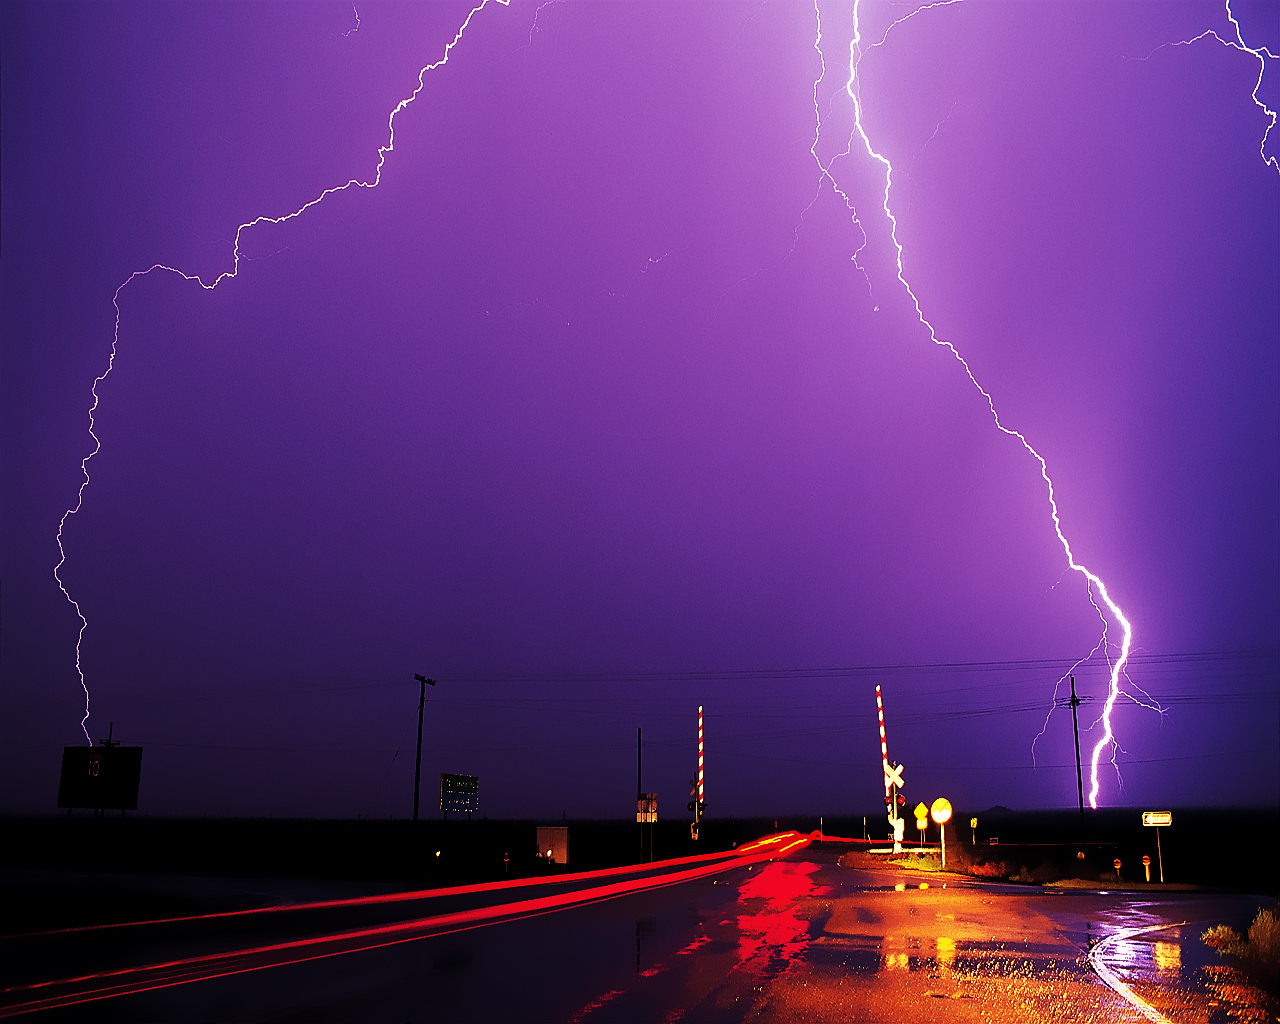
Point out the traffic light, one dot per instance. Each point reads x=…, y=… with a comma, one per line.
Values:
x=887, y=800
x=901, y=799
x=690, y=805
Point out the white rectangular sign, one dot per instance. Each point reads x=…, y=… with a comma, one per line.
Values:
x=1157, y=818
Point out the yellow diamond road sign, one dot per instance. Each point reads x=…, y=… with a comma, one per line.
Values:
x=1157, y=818
x=922, y=811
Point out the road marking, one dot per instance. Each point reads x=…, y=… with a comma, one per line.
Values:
x=1113, y=980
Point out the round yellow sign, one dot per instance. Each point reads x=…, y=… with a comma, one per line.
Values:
x=941, y=810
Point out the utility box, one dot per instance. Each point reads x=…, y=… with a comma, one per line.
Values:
x=553, y=844
x=102, y=778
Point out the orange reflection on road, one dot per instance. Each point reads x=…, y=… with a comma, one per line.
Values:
x=772, y=929
x=946, y=952
x=1168, y=957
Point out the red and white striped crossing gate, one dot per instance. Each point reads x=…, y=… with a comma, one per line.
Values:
x=884, y=743
x=701, y=765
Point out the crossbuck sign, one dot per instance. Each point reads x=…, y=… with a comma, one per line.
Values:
x=892, y=776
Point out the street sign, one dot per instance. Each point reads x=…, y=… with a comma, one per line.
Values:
x=647, y=808
x=1158, y=820
x=941, y=811
x=893, y=775
x=973, y=822
x=921, y=811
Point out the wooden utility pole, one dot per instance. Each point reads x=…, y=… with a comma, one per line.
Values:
x=417, y=769
x=1075, y=727
x=639, y=791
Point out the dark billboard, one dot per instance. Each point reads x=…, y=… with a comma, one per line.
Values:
x=104, y=778
x=459, y=792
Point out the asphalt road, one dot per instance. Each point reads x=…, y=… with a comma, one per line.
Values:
x=779, y=932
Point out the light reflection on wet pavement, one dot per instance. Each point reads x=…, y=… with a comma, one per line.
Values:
x=798, y=938
x=806, y=940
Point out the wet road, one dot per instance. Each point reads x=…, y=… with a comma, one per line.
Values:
x=757, y=935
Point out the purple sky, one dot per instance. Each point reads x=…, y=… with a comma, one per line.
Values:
x=589, y=412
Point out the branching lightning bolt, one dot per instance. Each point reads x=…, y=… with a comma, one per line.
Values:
x=1261, y=53
x=1095, y=583
x=383, y=152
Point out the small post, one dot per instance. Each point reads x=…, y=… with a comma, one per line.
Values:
x=1159, y=855
x=417, y=770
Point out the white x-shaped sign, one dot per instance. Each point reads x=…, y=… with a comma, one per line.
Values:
x=893, y=775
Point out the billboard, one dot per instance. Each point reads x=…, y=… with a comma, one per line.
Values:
x=647, y=807
x=459, y=792
x=104, y=778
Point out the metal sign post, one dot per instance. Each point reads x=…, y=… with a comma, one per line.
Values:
x=941, y=812
x=1155, y=819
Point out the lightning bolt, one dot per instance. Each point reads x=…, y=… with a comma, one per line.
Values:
x=1095, y=584
x=1261, y=53
x=371, y=183
x=355, y=28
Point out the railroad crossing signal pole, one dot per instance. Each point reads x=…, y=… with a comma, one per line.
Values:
x=417, y=770
x=892, y=779
x=697, y=784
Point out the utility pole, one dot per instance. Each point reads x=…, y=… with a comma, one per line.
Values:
x=1075, y=727
x=417, y=770
x=639, y=791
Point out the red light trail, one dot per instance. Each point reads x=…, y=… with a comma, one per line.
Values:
x=130, y=981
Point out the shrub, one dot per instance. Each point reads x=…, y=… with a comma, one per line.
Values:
x=1258, y=956
x=1220, y=937
x=1264, y=937
x=994, y=869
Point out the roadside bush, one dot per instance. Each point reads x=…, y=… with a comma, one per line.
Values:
x=1221, y=937
x=1046, y=872
x=1264, y=937
x=918, y=861
x=993, y=869
x=1258, y=956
